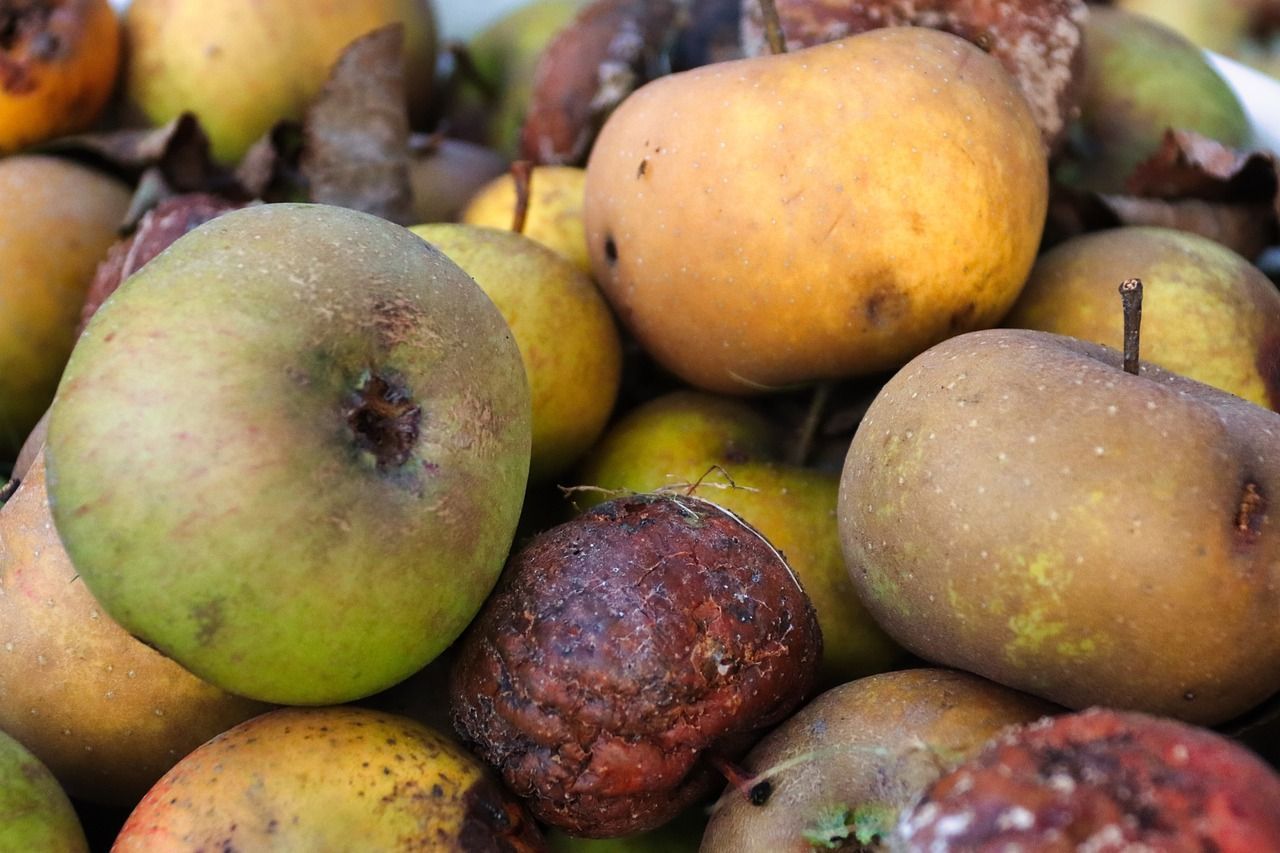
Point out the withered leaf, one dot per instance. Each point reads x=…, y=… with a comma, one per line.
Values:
x=178, y=151
x=610, y=49
x=270, y=169
x=1192, y=183
x=355, y=149
x=1037, y=41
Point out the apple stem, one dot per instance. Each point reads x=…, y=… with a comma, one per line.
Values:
x=803, y=448
x=1131, y=299
x=522, y=173
x=757, y=791
x=773, y=27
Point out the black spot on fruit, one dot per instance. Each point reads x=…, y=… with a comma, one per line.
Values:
x=610, y=250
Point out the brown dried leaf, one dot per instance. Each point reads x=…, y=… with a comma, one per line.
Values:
x=1191, y=166
x=179, y=151
x=355, y=150
x=610, y=49
x=1037, y=41
x=1192, y=183
x=270, y=169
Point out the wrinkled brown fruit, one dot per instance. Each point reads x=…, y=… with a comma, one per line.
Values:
x=1102, y=780
x=160, y=226
x=1037, y=41
x=609, y=51
x=623, y=650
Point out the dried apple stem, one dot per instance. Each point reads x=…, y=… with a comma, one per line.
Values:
x=773, y=27
x=803, y=448
x=1131, y=299
x=757, y=791
x=522, y=172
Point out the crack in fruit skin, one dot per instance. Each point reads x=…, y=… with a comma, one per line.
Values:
x=623, y=647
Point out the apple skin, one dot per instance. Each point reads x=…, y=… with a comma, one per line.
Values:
x=681, y=438
x=564, y=329
x=50, y=243
x=556, y=198
x=107, y=715
x=291, y=451
x=35, y=814
x=243, y=65
x=328, y=779
x=1207, y=313
x=1016, y=505
x=749, y=248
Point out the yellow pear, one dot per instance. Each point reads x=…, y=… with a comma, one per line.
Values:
x=823, y=213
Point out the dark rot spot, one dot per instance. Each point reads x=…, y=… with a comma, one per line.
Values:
x=642, y=169
x=885, y=306
x=491, y=822
x=761, y=792
x=610, y=250
x=24, y=41
x=384, y=419
x=962, y=318
x=1268, y=363
x=1250, y=512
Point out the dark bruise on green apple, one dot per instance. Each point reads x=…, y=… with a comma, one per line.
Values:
x=291, y=451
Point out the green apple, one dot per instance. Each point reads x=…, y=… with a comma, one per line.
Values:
x=1212, y=24
x=35, y=814
x=1207, y=312
x=687, y=437
x=290, y=452
x=1141, y=79
x=1017, y=505
x=564, y=329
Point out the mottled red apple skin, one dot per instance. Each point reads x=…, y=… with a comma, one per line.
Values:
x=1102, y=780
x=623, y=648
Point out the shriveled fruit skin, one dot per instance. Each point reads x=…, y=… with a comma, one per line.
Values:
x=35, y=814
x=243, y=65
x=1101, y=780
x=58, y=65
x=104, y=712
x=623, y=647
x=58, y=223
x=747, y=250
x=1037, y=41
x=842, y=768
x=328, y=779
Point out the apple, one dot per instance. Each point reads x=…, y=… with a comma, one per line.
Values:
x=1017, y=505
x=290, y=452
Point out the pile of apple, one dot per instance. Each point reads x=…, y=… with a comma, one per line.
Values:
x=763, y=461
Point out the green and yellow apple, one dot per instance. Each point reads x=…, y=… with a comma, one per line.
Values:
x=1207, y=312
x=1142, y=78
x=564, y=329
x=689, y=437
x=35, y=814
x=290, y=452
x=1017, y=505
x=328, y=779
